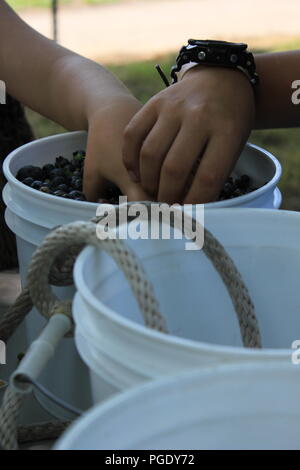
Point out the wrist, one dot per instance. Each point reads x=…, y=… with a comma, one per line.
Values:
x=210, y=81
x=119, y=109
x=221, y=76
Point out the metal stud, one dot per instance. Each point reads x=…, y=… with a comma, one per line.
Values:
x=201, y=55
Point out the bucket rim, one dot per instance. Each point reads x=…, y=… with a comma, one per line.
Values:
x=195, y=376
x=244, y=199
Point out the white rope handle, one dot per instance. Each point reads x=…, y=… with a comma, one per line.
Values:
x=58, y=241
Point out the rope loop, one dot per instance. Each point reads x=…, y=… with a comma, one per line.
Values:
x=78, y=234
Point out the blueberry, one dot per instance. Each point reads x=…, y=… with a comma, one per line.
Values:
x=73, y=166
x=68, y=171
x=45, y=189
x=30, y=171
x=56, y=172
x=243, y=182
x=61, y=162
x=47, y=170
x=76, y=174
x=36, y=184
x=63, y=187
x=80, y=198
x=73, y=194
x=57, y=181
x=228, y=189
x=76, y=183
x=238, y=193
x=59, y=193
x=28, y=181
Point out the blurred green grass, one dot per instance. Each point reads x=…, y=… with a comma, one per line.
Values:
x=23, y=4
x=143, y=81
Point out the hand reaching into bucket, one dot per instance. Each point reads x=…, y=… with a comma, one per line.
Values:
x=184, y=142
x=206, y=117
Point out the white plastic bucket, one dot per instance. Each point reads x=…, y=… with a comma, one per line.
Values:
x=31, y=215
x=110, y=332
x=232, y=407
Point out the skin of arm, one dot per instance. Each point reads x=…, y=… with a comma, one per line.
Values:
x=203, y=122
x=73, y=91
x=274, y=106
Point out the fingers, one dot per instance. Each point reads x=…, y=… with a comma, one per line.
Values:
x=93, y=183
x=135, y=192
x=154, y=150
x=216, y=164
x=134, y=135
x=94, y=187
x=179, y=163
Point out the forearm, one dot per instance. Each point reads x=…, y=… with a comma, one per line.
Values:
x=274, y=106
x=51, y=79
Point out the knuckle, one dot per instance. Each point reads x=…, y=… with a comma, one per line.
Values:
x=155, y=101
x=147, y=152
x=176, y=103
x=195, y=111
x=198, y=115
x=128, y=132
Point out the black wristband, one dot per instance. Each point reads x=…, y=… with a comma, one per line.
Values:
x=217, y=53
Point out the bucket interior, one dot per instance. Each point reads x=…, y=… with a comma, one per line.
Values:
x=252, y=163
x=192, y=296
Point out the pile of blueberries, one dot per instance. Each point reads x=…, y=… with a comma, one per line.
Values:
x=64, y=179
x=235, y=187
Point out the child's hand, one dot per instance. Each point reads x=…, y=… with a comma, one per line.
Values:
x=207, y=115
x=103, y=161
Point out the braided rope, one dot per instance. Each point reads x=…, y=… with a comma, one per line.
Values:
x=81, y=232
x=237, y=290
x=12, y=318
x=41, y=431
x=9, y=412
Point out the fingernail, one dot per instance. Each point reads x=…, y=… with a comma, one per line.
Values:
x=133, y=176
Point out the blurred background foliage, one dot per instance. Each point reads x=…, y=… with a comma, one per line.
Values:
x=21, y=4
